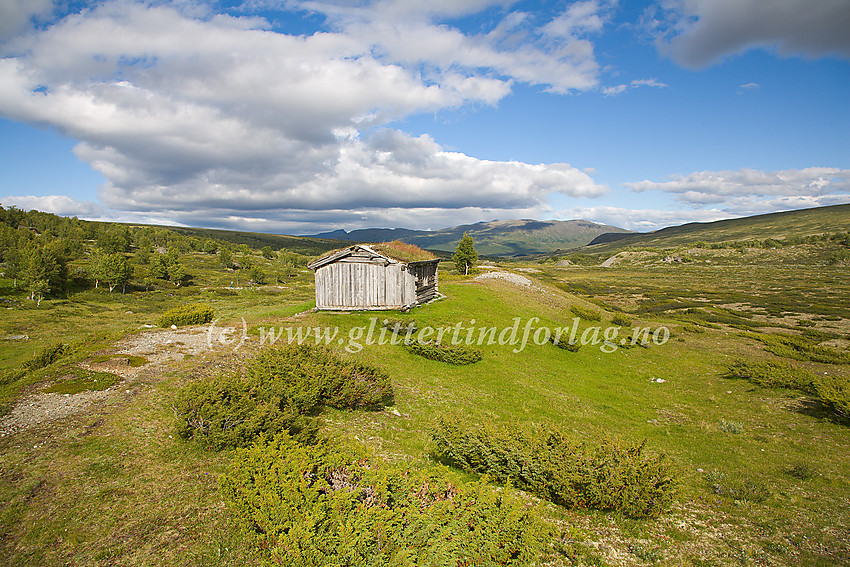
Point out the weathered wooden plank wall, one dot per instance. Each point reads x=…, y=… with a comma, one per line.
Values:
x=364, y=285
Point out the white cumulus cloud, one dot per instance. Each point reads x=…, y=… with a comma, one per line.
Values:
x=189, y=114
x=643, y=220
x=752, y=191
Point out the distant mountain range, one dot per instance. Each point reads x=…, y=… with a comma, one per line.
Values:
x=496, y=238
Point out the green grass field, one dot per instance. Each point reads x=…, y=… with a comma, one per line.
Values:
x=766, y=479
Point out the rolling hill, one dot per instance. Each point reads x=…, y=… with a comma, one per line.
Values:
x=496, y=238
x=799, y=223
x=309, y=246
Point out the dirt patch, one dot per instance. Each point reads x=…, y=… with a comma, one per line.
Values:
x=161, y=348
x=515, y=279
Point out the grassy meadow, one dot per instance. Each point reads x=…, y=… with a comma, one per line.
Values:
x=765, y=478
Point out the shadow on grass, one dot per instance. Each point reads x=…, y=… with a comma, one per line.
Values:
x=813, y=407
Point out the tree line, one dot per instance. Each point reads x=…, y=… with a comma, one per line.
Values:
x=48, y=256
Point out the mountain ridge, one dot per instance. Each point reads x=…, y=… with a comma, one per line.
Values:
x=516, y=237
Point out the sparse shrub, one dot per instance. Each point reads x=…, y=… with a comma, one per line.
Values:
x=9, y=375
x=277, y=391
x=663, y=304
x=405, y=326
x=450, y=354
x=45, y=357
x=802, y=471
x=838, y=257
x=798, y=348
x=326, y=505
x=191, y=314
x=773, y=374
x=818, y=336
x=731, y=426
x=606, y=475
x=586, y=314
x=566, y=344
x=257, y=275
x=744, y=488
x=622, y=320
x=834, y=392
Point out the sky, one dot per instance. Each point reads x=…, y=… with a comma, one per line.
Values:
x=301, y=116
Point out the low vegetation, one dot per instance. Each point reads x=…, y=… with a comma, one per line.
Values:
x=78, y=380
x=586, y=314
x=192, y=314
x=604, y=474
x=450, y=354
x=799, y=348
x=564, y=343
x=622, y=320
x=404, y=252
x=741, y=488
x=325, y=505
x=45, y=357
x=278, y=391
x=833, y=390
x=774, y=374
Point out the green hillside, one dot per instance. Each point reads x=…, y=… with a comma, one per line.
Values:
x=786, y=226
x=256, y=240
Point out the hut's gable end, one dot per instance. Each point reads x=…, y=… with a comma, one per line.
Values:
x=358, y=277
x=425, y=277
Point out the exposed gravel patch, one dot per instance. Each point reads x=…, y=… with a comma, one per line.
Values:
x=507, y=276
x=162, y=348
x=41, y=407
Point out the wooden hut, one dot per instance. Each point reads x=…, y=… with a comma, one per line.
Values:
x=383, y=276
